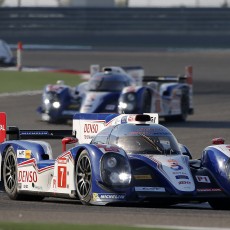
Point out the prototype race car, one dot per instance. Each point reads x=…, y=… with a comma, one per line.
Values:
x=121, y=90
x=6, y=56
x=117, y=158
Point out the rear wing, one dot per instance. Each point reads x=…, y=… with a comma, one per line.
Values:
x=14, y=133
x=186, y=78
x=87, y=125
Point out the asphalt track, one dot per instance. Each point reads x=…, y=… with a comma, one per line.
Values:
x=211, y=119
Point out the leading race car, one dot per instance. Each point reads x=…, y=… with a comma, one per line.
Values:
x=117, y=158
x=121, y=90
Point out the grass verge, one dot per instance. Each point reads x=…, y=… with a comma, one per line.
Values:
x=14, y=81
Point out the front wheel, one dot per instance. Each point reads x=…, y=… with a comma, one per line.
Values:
x=10, y=174
x=184, y=111
x=84, y=177
x=184, y=107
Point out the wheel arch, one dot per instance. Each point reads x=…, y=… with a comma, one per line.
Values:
x=3, y=154
x=94, y=154
x=141, y=98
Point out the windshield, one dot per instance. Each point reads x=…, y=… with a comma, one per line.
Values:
x=145, y=140
x=106, y=85
x=148, y=145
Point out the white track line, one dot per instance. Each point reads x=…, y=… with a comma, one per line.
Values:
x=23, y=93
x=180, y=227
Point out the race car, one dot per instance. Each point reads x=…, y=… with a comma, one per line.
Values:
x=6, y=56
x=121, y=90
x=127, y=158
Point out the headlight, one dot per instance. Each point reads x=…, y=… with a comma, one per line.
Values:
x=111, y=162
x=130, y=97
x=46, y=101
x=56, y=104
x=115, y=170
x=126, y=106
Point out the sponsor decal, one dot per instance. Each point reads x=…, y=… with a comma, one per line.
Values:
x=149, y=189
x=174, y=165
x=108, y=196
x=36, y=187
x=184, y=182
x=179, y=173
x=2, y=128
x=27, y=176
x=73, y=107
x=124, y=119
x=178, y=177
x=90, y=128
x=108, y=148
x=131, y=118
x=203, y=179
x=24, y=154
x=209, y=190
x=25, y=186
x=62, y=176
x=62, y=160
x=88, y=137
x=142, y=177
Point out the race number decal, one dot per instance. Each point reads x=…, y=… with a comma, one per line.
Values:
x=62, y=174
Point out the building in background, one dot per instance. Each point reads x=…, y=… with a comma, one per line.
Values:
x=86, y=3
x=117, y=3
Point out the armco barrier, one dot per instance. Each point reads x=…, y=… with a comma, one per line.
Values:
x=124, y=27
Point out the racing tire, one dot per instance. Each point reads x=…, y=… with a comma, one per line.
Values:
x=146, y=103
x=10, y=178
x=184, y=107
x=184, y=110
x=10, y=174
x=84, y=178
x=220, y=203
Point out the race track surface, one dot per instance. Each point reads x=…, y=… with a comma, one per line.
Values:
x=211, y=119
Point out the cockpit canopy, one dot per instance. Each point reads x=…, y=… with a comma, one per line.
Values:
x=140, y=139
x=108, y=81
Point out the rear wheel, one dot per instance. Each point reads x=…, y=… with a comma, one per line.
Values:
x=184, y=107
x=146, y=102
x=10, y=178
x=84, y=177
x=10, y=174
x=184, y=110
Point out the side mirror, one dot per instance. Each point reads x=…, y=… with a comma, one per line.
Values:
x=185, y=151
x=68, y=140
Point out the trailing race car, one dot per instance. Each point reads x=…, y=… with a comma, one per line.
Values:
x=121, y=90
x=117, y=158
x=6, y=56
